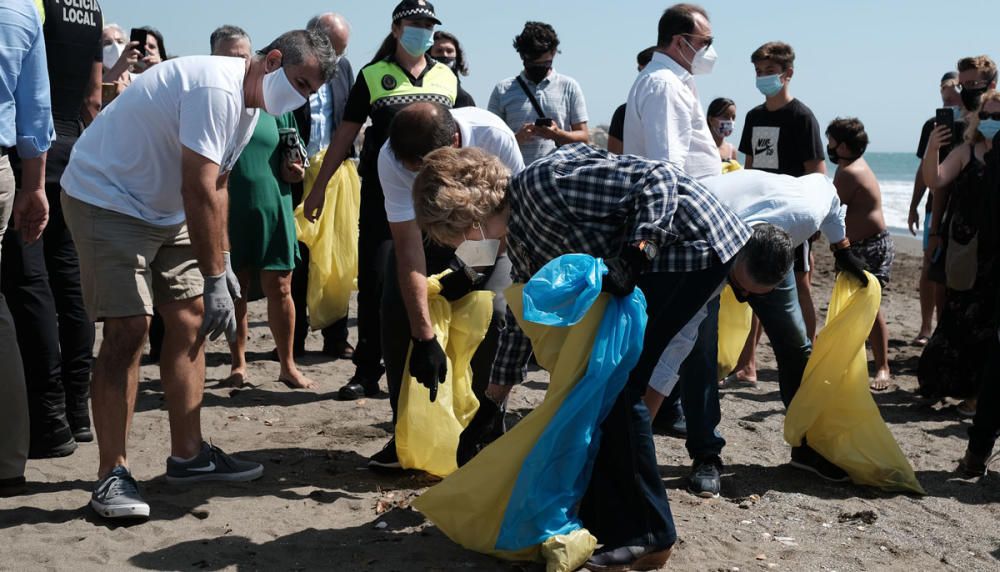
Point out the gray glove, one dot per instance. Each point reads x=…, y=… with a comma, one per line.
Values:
x=220, y=314
x=232, y=282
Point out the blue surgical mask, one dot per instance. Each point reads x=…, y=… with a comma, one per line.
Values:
x=957, y=110
x=770, y=84
x=416, y=41
x=989, y=127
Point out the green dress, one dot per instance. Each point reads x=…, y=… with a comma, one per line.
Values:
x=261, y=223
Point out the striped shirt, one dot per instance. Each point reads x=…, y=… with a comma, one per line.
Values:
x=585, y=200
x=559, y=96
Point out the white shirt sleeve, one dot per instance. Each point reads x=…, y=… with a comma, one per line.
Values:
x=834, y=227
x=508, y=151
x=666, y=122
x=666, y=373
x=397, y=185
x=208, y=120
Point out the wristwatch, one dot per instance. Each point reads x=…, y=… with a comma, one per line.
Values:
x=648, y=249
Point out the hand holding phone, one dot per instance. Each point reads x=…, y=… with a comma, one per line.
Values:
x=139, y=35
x=946, y=117
x=545, y=122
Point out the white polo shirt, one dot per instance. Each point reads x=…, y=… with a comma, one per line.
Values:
x=477, y=128
x=664, y=120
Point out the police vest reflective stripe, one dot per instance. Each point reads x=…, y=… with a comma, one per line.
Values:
x=389, y=85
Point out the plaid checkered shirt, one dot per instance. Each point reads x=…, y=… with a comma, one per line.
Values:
x=585, y=200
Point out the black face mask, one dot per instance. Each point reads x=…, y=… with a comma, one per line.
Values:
x=831, y=152
x=537, y=72
x=451, y=63
x=970, y=97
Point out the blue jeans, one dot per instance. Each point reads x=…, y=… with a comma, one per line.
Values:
x=781, y=318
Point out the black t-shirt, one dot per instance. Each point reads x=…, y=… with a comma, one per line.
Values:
x=617, y=128
x=782, y=141
x=464, y=99
x=72, y=45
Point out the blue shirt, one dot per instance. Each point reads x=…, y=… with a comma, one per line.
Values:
x=25, y=107
x=320, y=113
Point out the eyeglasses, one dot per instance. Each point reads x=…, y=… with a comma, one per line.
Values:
x=983, y=115
x=707, y=39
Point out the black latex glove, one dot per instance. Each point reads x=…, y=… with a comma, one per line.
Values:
x=428, y=364
x=462, y=280
x=624, y=271
x=851, y=263
x=485, y=427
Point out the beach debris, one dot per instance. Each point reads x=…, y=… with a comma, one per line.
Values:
x=786, y=540
x=382, y=525
x=865, y=516
x=762, y=557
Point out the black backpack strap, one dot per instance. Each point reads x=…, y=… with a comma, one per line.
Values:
x=531, y=98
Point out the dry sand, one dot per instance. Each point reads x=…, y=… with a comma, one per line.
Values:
x=318, y=508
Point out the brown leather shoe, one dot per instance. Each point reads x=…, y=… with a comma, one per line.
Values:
x=625, y=558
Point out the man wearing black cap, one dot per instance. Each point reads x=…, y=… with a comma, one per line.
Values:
x=931, y=289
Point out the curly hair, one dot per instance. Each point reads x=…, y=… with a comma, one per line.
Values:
x=535, y=39
x=457, y=188
x=982, y=64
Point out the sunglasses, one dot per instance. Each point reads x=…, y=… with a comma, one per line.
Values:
x=983, y=115
x=707, y=39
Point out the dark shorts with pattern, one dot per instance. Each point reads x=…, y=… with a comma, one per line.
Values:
x=878, y=252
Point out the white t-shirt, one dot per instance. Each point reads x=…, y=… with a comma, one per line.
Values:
x=477, y=128
x=129, y=159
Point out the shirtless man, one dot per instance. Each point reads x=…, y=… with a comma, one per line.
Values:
x=859, y=190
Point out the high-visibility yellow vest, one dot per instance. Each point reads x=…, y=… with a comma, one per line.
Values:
x=389, y=85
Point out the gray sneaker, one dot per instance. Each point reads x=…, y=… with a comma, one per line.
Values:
x=212, y=464
x=117, y=496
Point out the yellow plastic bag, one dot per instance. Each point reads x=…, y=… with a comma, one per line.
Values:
x=332, y=242
x=427, y=433
x=734, y=327
x=568, y=552
x=834, y=409
x=469, y=505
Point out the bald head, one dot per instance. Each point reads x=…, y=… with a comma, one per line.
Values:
x=420, y=128
x=336, y=28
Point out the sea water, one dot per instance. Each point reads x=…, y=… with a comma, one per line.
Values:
x=895, y=173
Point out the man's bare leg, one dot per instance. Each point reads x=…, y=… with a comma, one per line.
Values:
x=879, y=339
x=114, y=386
x=182, y=371
x=746, y=367
x=277, y=287
x=803, y=286
x=926, y=304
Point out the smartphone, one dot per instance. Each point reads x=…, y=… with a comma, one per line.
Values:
x=945, y=116
x=137, y=35
x=545, y=122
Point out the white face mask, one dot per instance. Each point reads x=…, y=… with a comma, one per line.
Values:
x=111, y=53
x=478, y=253
x=703, y=60
x=280, y=96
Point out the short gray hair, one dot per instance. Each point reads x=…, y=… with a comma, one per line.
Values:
x=768, y=254
x=227, y=32
x=298, y=45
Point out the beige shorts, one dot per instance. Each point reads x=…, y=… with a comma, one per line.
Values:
x=127, y=265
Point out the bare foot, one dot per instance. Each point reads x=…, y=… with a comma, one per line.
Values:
x=741, y=377
x=237, y=378
x=921, y=340
x=882, y=381
x=295, y=380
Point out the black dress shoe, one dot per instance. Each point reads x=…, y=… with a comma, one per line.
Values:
x=83, y=435
x=671, y=421
x=625, y=558
x=51, y=439
x=359, y=386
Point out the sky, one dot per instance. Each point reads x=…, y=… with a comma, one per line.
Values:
x=880, y=61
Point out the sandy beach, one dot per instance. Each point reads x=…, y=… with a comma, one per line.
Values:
x=317, y=507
